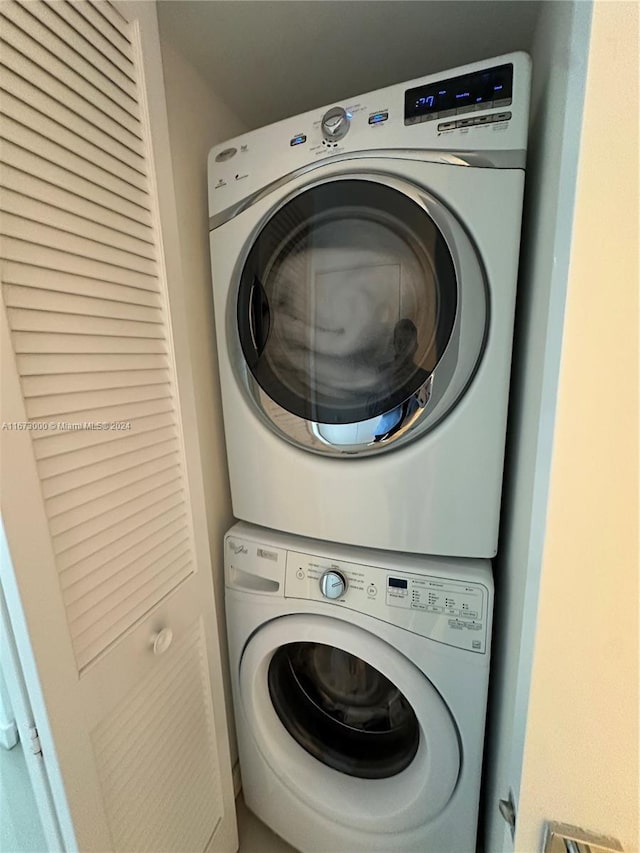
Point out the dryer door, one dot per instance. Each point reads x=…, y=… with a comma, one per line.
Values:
x=361, y=314
x=348, y=723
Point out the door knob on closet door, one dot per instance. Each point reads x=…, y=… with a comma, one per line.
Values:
x=161, y=641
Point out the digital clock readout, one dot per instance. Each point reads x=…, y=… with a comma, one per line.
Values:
x=483, y=87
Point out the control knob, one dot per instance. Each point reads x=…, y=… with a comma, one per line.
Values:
x=335, y=123
x=333, y=584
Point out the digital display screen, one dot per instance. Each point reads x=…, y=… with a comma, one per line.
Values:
x=398, y=583
x=483, y=87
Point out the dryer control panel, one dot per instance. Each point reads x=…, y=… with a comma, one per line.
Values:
x=447, y=610
x=480, y=109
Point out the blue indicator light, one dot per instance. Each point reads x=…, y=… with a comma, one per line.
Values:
x=497, y=88
x=298, y=140
x=349, y=115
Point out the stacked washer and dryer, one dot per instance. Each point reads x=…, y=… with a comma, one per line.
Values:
x=364, y=263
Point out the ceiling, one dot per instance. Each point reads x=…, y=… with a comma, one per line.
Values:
x=269, y=59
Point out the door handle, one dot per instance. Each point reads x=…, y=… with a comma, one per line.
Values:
x=161, y=641
x=259, y=316
x=562, y=838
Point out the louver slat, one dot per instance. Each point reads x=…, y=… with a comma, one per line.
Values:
x=50, y=364
x=144, y=548
x=55, y=280
x=115, y=536
x=88, y=316
x=62, y=405
x=67, y=383
x=27, y=342
x=61, y=202
x=85, y=457
x=117, y=56
x=74, y=135
x=34, y=209
x=54, y=444
x=81, y=163
x=44, y=320
x=34, y=254
x=51, y=172
x=105, y=486
x=96, y=148
x=31, y=38
x=44, y=235
x=101, y=506
x=88, y=103
x=96, y=15
x=102, y=473
x=118, y=522
x=44, y=26
x=110, y=14
x=52, y=300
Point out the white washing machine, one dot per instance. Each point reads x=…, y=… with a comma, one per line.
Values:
x=364, y=271
x=360, y=686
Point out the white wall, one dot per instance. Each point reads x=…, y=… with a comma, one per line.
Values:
x=198, y=119
x=559, y=53
x=581, y=756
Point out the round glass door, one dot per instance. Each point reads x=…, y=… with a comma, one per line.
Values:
x=342, y=711
x=347, y=301
x=347, y=723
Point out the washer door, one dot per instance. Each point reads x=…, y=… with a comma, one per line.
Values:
x=348, y=724
x=350, y=314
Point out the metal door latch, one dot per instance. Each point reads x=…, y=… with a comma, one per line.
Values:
x=508, y=811
x=562, y=838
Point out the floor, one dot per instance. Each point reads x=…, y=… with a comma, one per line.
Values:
x=20, y=830
x=255, y=837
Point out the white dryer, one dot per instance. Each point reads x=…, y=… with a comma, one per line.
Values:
x=364, y=265
x=360, y=685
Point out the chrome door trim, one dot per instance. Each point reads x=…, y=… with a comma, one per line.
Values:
x=447, y=383
x=477, y=159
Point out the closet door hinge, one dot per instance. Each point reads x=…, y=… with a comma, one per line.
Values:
x=34, y=738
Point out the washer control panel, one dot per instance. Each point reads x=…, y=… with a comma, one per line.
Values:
x=447, y=610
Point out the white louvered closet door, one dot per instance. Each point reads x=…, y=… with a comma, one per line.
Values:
x=102, y=493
